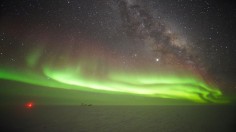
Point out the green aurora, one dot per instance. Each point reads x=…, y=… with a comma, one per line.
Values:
x=177, y=86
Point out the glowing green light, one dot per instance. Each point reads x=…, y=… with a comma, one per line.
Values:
x=164, y=86
x=81, y=76
x=33, y=58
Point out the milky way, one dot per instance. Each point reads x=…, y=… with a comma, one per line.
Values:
x=156, y=37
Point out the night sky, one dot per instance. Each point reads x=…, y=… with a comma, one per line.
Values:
x=158, y=49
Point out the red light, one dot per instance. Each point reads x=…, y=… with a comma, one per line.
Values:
x=29, y=105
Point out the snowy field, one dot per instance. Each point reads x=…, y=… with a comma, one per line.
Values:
x=118, y=118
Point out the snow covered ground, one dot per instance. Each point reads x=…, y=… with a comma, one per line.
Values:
x=118, y=118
